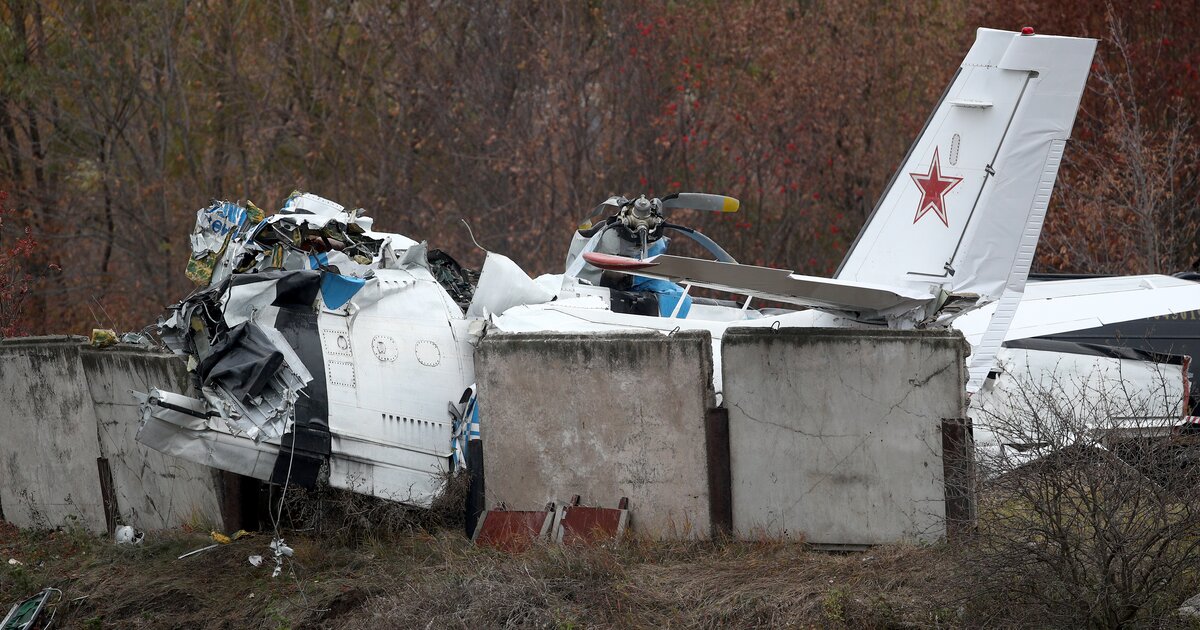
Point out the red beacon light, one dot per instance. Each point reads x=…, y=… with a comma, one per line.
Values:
x=1028, y=30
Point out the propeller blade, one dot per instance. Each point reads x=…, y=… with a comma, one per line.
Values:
x=704, y=241
x=701, y=201
x=615, y=202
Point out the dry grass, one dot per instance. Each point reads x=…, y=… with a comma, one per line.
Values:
x=421, y=580
x=347, y=518
x=416, y=570
x=673, y=585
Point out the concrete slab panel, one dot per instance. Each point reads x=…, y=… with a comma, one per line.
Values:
x=835, y=434
x=65, y=405
x=48, y=470
x=153, y=490
x=604, y=416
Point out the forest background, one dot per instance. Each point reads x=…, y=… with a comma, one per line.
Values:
x=119, y=120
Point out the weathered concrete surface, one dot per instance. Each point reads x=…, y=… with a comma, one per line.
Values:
x=153, y=490
x=604, y=416
x=835, y=434
x=64, y=405
x=49, y=475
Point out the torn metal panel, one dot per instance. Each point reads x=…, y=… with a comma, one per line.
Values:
x=204, y=444
x=219, y=227
x=253, y=377
x=177, y=409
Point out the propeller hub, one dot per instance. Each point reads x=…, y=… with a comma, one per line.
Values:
x=642, y=215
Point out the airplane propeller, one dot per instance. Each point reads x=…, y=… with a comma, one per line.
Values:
x=642, y=221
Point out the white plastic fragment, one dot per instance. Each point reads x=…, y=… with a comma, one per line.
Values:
x=196, y=551
x=255, y=560
x=127, y=535
x=280, y=548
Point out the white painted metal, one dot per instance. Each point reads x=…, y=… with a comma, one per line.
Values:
x=1061, y=306
x=391, y=367
x=1068, y=393
x=983, y=355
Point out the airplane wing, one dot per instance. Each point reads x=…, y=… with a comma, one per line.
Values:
x=1066, y=305
x=868, y=300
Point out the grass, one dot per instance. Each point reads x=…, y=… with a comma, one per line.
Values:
x=361, y=563
x=439, y=580
x=419, y=579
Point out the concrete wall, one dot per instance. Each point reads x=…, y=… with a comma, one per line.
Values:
x=604, y=416
x=65, y=405
x=835, y=435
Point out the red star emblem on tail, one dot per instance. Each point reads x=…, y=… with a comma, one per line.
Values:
x=933, y=190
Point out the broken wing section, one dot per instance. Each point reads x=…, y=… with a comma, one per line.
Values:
x=1064, y=305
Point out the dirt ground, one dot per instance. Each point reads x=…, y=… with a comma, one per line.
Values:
x=423, y=580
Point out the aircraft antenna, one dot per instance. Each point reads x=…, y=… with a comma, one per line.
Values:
x=472, y=234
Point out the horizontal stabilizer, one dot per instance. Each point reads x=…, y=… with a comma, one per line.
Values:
x=866, y=300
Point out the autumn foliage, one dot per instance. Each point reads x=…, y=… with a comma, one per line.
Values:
x=118, y=121
x=15, y=279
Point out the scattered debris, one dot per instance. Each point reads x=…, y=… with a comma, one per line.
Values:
x=196, y=551
x=280, y=550
x=103, y=337
x=127, y=535
x=255, y=560
x=226, y=539
x=27, y=614
x=137, y=339
x=1190, y=608
x=13, y=562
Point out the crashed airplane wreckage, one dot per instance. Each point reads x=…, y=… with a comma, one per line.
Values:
x=286, y=387
x=324, y=349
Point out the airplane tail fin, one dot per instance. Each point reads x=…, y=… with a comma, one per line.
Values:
x=965, y=210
